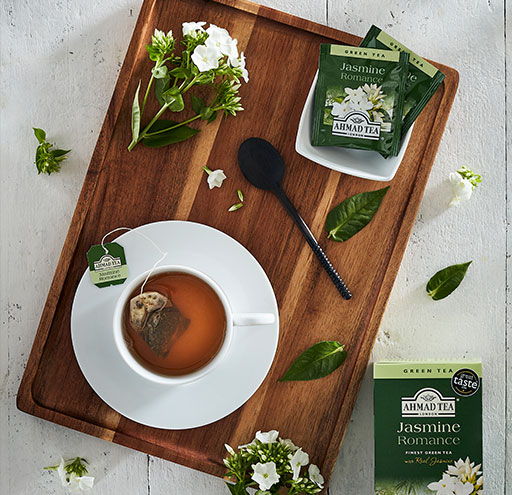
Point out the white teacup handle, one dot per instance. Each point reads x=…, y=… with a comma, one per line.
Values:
x=248, y=319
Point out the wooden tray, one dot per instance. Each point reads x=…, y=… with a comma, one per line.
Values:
x=146, y=185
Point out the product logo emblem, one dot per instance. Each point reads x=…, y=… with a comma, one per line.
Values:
x=106, y=262
x=465, y=382
x=428, y=402
x=356, y=124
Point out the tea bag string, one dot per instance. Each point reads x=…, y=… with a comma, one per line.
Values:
x=145, y=237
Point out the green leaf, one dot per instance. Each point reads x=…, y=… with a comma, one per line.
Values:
x=180, y=72
x=353, y=214
x=170, y=137
x=161, y=86
x=316, y=362
x=174, y=99
x=197, y=104
x=212, y=117
x=58, y=153
x=136, y=116
x=160, y=72
x=238, y=489
x=445, y=281
x=40, y=134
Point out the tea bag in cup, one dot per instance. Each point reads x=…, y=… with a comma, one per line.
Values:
x=157, y=320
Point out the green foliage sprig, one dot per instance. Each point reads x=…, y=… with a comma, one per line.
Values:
x=272, y=465
x=208, y=58
x=47, y=160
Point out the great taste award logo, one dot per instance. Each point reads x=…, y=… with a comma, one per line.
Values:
x=428, y=402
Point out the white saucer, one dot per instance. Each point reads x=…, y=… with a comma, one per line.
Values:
x=220, y=392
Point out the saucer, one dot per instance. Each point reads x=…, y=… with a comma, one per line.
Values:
x=359, y=163
x=225, y=388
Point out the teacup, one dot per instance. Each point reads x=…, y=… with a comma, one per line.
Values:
x=231, y=320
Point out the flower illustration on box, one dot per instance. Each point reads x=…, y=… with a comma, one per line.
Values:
x=463, y=478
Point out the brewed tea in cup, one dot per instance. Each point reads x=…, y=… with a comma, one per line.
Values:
x=177, y=326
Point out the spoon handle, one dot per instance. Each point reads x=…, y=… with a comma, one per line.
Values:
x=313, y=243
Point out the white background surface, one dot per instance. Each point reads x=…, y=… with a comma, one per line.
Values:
x=59, y=64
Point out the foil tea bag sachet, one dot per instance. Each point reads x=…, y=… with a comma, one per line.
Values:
x=359, y=98
x=157, y=321
x=422, y=81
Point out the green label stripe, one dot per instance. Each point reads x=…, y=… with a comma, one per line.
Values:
x=414, y=59
x=367, y=53
x=99, y=277
x=423, y=369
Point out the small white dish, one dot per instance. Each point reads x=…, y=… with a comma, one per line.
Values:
x=359, y=163
x=226, y=387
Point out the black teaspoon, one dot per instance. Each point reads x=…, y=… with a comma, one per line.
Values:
x=263, y=167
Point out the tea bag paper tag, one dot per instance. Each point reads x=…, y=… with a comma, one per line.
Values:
x=107, y=268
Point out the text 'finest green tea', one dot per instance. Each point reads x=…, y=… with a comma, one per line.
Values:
x=428, y=428
x=359, y=98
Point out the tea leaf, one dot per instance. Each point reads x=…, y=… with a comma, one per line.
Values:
x=445, y=281
x=40, y=134
x=318, y=361
x=240, y=195
x=353, y=214
x=169, y=137
x=235, y=207
x=136, y=115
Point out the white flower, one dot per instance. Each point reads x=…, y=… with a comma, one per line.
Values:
x=160, y=37
x=267, y=436
x=72, y=481
x=220, y=39
x=378, y=116
x=215, y=177
x=240, y=62
x=192, y=28
x=446, y=485
x=265, y=475
x=229, y=449
x=298, y=460
x=315, y=476
x=63, y=475
x=206, y=58
x=288, y=443
x=81, y=483
x=463, y=488
x=354, y=94
x=339, y=109
x=462, y=190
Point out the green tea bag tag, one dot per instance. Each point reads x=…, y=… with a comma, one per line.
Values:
x=107, y=264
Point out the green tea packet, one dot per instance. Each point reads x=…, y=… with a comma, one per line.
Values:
x=428, y=427
x=422, y=81
x=359, y=98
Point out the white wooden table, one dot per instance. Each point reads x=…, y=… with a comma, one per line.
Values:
x=59, y=64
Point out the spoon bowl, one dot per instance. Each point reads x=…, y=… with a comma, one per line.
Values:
x=261, y=164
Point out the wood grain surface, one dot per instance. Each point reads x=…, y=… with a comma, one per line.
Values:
x=131, y=189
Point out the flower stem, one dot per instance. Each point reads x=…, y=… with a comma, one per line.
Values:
x=146, y=129
x=173, y=127
x=146, y=95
